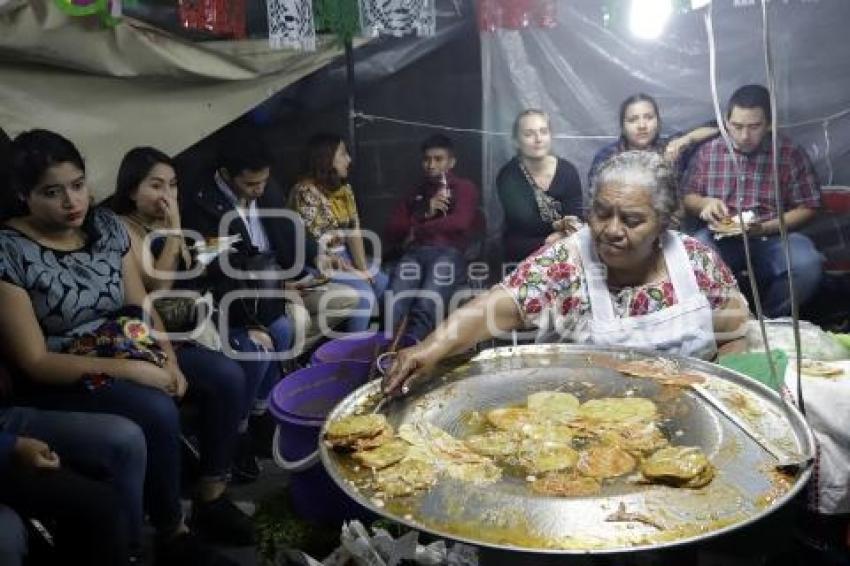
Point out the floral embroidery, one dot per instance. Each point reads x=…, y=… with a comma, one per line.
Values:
x=553, y=278
x=318, y=212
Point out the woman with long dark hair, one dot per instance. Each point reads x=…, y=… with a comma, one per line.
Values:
x=66, y=272
x=146, y=198
x=640, y=129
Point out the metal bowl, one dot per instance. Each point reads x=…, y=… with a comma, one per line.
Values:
x=508, y=515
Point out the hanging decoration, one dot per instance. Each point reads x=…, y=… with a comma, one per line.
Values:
x=398, y=17
x=224, y=18
x=339, y=17
x=291, y=24
x=109, y=10
x=516, y=14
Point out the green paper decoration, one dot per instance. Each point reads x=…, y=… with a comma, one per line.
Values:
x=340, y=17
x=98, y=7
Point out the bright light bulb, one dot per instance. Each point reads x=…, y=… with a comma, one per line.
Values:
x=648, y=17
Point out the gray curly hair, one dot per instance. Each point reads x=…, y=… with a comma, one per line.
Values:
x=643, y=169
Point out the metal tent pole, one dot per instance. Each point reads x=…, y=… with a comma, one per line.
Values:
x=350, y=81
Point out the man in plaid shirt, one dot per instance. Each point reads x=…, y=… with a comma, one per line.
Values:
x=713, y=194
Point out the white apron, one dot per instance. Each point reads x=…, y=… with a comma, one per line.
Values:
x=685, y=328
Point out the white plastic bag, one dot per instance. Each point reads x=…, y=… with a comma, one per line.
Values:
x=381, y=549
x=815, y=344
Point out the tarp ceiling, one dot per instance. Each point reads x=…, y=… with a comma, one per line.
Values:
x=111, y=89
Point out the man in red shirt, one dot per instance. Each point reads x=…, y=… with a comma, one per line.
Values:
x=434, y=225
x=719, y=185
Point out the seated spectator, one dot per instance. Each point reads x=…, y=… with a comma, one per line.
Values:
x=540, y=192
x=223, y=391
x=66, y=280
x=640, y=128
x=713, y=194
x=325, y=201
x=241, y=184
x=80, y=474
x=435, y=223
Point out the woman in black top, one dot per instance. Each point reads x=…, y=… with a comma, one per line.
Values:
x=540, y=192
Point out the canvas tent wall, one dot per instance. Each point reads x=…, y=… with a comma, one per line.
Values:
x=581, y=70
x=110, y=89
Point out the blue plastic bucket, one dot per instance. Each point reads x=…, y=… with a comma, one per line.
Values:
x=300, y=403
x=360, y=347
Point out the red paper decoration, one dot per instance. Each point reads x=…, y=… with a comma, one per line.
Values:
x=516, y=14
x=221, y=17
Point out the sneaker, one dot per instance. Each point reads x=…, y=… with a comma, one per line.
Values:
x=220, y=520
x=246, y=466
x=186, y=548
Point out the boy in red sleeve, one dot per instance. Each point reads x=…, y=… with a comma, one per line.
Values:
x=435, y=224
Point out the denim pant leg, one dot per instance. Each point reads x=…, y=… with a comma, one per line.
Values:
x=13, y=538
x=217, y=385
x=283, y=334
x=100, y=445
x=257, y=369
x=156, y=414
x=405, y=280
x=445, y=273
x=772, y=271
x=359, y=319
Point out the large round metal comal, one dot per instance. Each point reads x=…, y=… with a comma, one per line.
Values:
x=627, y=515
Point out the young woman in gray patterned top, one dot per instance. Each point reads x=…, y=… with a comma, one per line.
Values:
x=64, y=268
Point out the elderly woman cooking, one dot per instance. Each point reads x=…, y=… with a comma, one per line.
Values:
x=625, y=279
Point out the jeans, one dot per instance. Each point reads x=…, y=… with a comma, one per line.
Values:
x=368, y=296
x=153, y=411
x=770, y=268
x=102, y=446
x=217, y=386
x=13, y=538
x=261, y=373
x=435, y=273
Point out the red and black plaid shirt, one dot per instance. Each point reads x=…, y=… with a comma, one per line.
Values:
x=712, y=174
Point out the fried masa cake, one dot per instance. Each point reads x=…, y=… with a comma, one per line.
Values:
x=542, y=457
x=618, y=409
x=679, y=466
x=639, y=439
x=566, y=484
x=405, y=478
x=358, y=432
x=494, y=443
x=605, y=462
x=555, y=405
x=664, y=372
x=511, y=418
x=820, y=369
x=384, y=455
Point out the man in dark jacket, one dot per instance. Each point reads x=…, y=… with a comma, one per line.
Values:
x=257, y=214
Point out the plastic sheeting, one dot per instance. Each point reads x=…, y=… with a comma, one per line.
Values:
x=109, y=90
x=580, y=71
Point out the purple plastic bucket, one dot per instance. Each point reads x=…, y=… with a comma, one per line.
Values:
x=359, y=347
x=300, y=404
